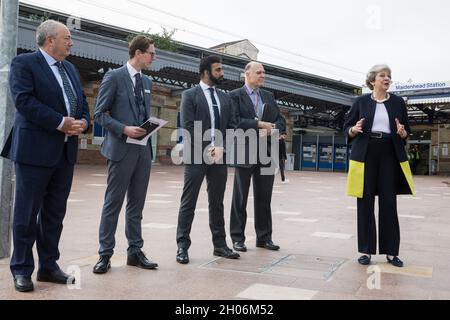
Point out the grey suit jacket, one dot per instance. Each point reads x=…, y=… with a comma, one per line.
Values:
x=246, y=119
x=116, y=108
x=194, y=107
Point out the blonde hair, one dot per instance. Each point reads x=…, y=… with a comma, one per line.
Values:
x=373, y=73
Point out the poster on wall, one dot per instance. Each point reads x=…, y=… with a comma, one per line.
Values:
x=435, y=151
x=445, y=150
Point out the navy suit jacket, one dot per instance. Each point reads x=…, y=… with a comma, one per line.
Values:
x=40, y=108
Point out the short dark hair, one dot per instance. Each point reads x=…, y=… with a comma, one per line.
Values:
x=140, y=43
x=207, y=62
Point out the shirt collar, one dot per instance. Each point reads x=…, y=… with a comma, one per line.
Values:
x=205, y=87
x=249, y=89
x=50, y=60
x=131, y=70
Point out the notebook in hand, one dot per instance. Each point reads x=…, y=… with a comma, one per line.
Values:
x=149, y=126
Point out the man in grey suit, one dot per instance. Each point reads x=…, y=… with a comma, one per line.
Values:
x=205, y=112
x=254, y=109
x=123, y=103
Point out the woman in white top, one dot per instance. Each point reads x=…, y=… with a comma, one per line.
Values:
x=377, y=126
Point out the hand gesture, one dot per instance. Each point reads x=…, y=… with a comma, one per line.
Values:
x=266, y=127
x=401, y=129
x=357, y=128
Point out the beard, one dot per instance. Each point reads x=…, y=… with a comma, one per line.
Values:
x=216, y=81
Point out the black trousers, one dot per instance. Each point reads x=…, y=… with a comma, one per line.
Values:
x=381, y=176
x=282, y=166
x=262, y=197
x=216, y=179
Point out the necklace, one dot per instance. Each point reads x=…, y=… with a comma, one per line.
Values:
x=382, y=100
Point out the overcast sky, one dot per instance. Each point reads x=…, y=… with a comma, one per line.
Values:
x=336, y=39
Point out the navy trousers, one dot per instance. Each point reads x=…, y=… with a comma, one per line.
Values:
x=39, y=210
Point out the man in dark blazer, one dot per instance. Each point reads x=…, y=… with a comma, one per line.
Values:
x=205, y=112
x=51, y=112
x=123, y=104
x=254, y=109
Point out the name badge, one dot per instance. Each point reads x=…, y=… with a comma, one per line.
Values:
x=147, y=91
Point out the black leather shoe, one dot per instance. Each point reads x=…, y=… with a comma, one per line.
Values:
x=23, y=283
x=57, y=276
x=396, y=262
x=138, y=259
x=102, y=265
x=182, y=256
x=267, y=245
x=239, y=246
x=226, y=252
x=364, y=260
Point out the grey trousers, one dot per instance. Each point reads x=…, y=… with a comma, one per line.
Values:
x=129, y=176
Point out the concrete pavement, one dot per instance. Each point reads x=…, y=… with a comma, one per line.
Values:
x=313, y=222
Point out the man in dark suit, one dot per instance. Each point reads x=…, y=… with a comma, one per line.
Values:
x=123, y=104
x=51, y=112
x=256, y=110
x=205, y=112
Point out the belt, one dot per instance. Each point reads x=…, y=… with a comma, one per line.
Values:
x=380, y=135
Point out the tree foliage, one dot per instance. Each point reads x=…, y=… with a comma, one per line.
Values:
x=163, y=40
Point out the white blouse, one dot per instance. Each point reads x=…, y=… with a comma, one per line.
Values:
x=381, y=119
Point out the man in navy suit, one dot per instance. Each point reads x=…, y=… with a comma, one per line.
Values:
x=51, y=112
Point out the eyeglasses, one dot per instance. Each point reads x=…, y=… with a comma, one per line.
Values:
x=151, y=53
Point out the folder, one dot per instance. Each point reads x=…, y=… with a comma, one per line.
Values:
x=149, y=126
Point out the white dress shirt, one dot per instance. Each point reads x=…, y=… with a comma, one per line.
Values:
x=132, y=71
x=51, y=63
x=207, y=93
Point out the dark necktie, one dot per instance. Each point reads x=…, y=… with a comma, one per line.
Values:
x=138, y=90
x=68, y=89
x=216, y=109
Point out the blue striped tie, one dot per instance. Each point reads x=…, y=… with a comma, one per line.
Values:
x=68, y=89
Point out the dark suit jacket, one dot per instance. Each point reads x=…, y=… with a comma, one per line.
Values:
x=247, y=119
x=194, y=107
x=364, y=107
x=40, y=108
